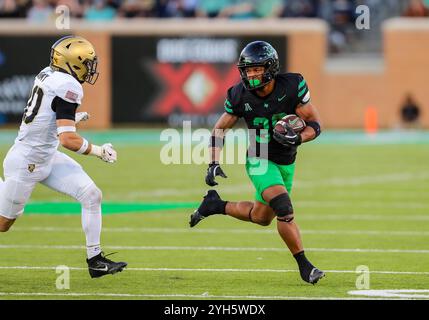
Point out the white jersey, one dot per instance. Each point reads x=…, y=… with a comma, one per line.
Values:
x=37, y=137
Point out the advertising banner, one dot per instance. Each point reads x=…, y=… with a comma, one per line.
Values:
x=21, y=59
x=172, y=79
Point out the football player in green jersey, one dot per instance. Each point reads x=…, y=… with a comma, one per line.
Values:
x=263, y=97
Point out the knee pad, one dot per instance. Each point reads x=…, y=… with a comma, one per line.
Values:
x=90, y=197
x=282, y=207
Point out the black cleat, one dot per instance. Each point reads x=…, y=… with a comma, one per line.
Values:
x=195, y=218
x=99, y=266
x=315, y=275
x=212, y=204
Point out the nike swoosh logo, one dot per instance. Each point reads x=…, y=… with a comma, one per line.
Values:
x=292, y=122
x=281, y=98
x=100, y=269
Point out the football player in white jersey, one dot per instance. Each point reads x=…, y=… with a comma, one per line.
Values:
x=49, y=119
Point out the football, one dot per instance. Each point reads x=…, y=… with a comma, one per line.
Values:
x=295, y=122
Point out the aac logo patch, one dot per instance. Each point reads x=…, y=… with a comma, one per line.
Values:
x=31, y=167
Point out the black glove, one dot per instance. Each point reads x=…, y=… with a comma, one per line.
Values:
x=214, y=170
x=289, y=138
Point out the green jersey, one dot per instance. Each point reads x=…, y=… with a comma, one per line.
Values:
x=262, y=113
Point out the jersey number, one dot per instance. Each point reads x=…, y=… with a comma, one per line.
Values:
x=264, y=136
x=33, y=105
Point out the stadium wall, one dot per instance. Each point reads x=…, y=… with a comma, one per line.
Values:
x=341, y=95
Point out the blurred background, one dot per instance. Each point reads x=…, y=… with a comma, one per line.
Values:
x=339, y=14
x=165, y=61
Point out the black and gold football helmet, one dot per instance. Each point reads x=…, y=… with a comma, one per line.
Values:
x=75, y=56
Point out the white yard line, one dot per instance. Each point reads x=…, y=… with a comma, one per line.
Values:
x=189, y=248
x=368, y=204
x=298, y=184
x=218, y=270
x=226, y=230
x=316, y=216
x=393, y=293
x=368, y=295
x=361, y=217
x=364, y=180
x=176, y=296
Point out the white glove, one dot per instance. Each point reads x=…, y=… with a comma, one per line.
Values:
x=108, y=154
x=105, y=152
x=81, y=116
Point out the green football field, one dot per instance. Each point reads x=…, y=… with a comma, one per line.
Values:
x=359, y=201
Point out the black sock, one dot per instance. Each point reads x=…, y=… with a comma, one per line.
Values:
x=214, y=207
x=304, y=265
x=220, y=206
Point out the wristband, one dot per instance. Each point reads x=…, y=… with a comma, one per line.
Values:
x=316, y=127
x=84, y=146
x=65, y=129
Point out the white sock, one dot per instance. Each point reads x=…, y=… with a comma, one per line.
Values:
x=91, y=224
x=90, y=199
x=92, y=251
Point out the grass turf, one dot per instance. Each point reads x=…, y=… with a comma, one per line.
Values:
x=347, y=196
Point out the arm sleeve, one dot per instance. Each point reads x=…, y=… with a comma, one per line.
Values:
x=230, y=105
x=303, y=93
x=64, y=109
